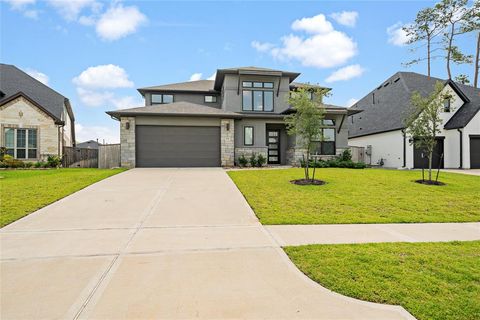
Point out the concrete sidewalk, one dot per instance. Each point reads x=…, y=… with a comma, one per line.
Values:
x=292, y=235
x=159, y=244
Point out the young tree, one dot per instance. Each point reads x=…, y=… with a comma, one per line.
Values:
x=427, y=27
x=306, y=120
x=454, y=14
x=424, y=122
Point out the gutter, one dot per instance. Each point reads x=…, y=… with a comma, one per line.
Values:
x=404, y=133
x=461, y=148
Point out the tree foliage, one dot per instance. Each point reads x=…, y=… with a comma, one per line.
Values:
x=306, y=120
x=425, y=122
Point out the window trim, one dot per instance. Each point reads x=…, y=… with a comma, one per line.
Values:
x=322, y=153
x=447, y=106
x=244, y=135
x=162, y=95
x=214, y=100
x=27, y=140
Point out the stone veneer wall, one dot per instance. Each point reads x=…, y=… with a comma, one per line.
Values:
x=227, y=142
x=20, y=113
x=248, y=151
x=127, y=142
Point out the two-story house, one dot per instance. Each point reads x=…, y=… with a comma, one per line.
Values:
x=380, y=128
x=35, y=120
x=212, y=122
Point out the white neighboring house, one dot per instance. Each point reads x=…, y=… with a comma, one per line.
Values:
x=35, y=120
x=380, y=127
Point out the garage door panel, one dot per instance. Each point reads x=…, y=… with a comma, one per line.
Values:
x=165, y=146
x=475, y=152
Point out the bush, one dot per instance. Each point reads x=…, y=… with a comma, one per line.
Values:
x=336, y=163
x=253, y=160
x=346, y=155
x=261, y=160
x=38, y=164
x=242, y=161
x=54, y=161
x=28, y=164
x=9, y=162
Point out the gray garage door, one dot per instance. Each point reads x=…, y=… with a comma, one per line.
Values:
x=475, y=152
x=165, y=146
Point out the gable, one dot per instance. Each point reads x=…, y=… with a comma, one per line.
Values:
x=21, y=111
x=22, y=99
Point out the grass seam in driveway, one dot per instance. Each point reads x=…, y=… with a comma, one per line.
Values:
x=25, y=191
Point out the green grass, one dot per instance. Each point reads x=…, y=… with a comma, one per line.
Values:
x=431, y=280
x=358, y=196
x=24, y=191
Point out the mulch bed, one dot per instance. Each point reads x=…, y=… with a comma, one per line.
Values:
x=430, y=183
x=305, y=182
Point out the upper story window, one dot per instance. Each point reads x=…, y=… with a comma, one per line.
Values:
x=328, y=122
x=161, y=98
x=256, y=96
x=210, y=99
x=21, y=143
x=447, y=105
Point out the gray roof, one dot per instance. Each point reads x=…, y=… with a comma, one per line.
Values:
x=194, y=86
x=14, y=81
x=392, y=104
x=90, y=144
x=180, y=108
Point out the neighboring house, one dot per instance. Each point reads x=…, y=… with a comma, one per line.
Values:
x=213, y=122
x=35, y=120
x=380, y=127
x=90, y=144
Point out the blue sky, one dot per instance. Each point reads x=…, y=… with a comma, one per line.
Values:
x=97, y=53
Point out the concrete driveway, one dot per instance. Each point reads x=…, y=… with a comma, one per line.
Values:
x=159, y=243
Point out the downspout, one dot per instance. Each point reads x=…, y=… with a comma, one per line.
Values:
x=59, y=136
x=404, y=148
x=461, y=148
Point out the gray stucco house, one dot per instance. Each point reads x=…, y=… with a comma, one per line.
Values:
x=212, y=122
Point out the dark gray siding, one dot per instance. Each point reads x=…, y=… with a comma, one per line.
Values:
x=179, y=146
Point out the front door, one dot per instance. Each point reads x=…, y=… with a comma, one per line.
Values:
x=273, y=144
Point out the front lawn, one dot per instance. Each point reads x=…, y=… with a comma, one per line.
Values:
x=358, y=196
x=24, y=191
x=430, y=280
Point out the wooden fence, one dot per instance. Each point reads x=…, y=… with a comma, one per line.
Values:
x=358, y=154
x=109, y=156
x=79, y=158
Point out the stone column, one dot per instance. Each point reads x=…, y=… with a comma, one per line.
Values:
x=127, y=142
x=227, y=142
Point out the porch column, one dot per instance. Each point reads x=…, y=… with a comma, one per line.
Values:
x=127, y=142
x=227, y=142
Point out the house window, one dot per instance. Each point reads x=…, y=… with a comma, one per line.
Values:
x=257, y=84
x=446, y=105
x=248, y=136
x=210, y=99
x=162, y=98
x=325, y=144
x=257, y=100
x=21, y=143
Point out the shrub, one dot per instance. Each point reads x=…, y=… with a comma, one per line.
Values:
x=38, y=164
x=54, y=161
x=242, y=161
x=337, y=163
x=3, y=152
x=253, y=160
x=10, y=162
x=28, y=164
x=261, y=160
x=346, y=155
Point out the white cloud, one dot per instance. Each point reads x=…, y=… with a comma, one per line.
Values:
x=351, y=102
x=20, y=4
x=87, y=20
x=346, y=18
x=70, y=9
x=315, y=25
x=396, y=35
x=262, y=47
x=103, y=76
x=324, y=48
x=119, y=21
x=32, y=14
x=92, y=98
x=346, y=73
x=212, y=77
x=127, y=102
x=42, y=77
x=195, y=77
x=103, y=134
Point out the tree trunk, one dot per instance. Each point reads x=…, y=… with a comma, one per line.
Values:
x=449, y=50
x=307, y=163
x=430, y=158
x=475, y=79
x=428, y=56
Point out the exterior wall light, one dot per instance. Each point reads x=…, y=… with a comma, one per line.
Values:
x=127, y=125
x=228, y=126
